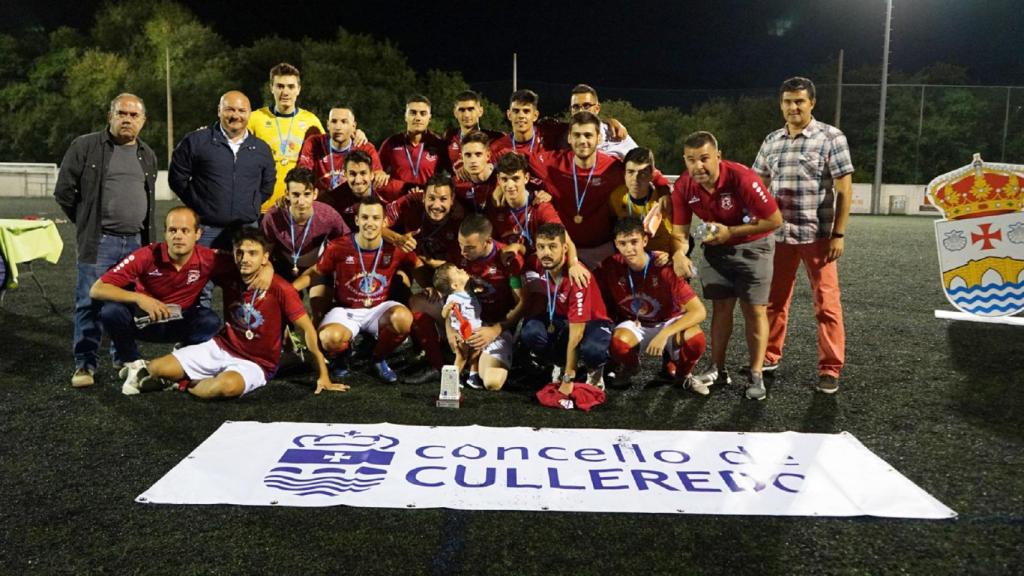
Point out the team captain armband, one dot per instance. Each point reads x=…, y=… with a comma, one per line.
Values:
x=515, y=282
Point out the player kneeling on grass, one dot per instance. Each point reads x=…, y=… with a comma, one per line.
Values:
x=364, y=268
x=245, y=354
x=656, y=310
x=462, y=310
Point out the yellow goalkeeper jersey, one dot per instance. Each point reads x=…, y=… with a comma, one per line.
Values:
x=284, y=135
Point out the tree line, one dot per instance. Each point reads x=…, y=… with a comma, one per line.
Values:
x=55, y=85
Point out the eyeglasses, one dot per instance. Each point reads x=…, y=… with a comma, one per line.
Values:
x=583, y=106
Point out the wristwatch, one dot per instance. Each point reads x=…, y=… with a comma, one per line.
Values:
x=838, y=235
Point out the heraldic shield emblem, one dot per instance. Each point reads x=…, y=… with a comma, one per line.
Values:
x=981, y=239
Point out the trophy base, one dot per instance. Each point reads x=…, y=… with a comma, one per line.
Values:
x=449, y=402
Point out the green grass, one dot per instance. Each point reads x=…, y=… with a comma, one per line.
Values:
x=940, y=401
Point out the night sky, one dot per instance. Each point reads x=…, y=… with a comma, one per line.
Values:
x=657, y=45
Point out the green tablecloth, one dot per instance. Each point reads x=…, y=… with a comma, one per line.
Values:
x=27, y=240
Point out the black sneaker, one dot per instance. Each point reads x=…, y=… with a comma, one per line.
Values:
x=474, y=381
x=425, y=376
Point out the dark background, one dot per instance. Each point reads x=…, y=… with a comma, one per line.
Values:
x=657, y=45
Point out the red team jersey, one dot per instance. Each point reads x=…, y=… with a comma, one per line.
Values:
x=548, y=136
x=413, y=165
x=500, y=143
x=650, y=299
x=346, y=203
x=260, y=313
x=493, y=277
x=739, y=198
x=328, y=163
x=433, y=241
x=324, y=225
x=520, y=226
x=557, y=173
x=578, y=305
x=476, y=196
x=151, y=270
x=354, y=283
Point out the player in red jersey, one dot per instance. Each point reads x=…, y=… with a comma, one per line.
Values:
x=498, y=281
x=364, y=267
x=575, y=319
x=657, y=312
x=325, y=154
x=358, y=185
x=467, y=111
x=410, y=158
x=528, y=136
x=738, y=215
x=476, y=186
x=246, y=352
x=172, y=272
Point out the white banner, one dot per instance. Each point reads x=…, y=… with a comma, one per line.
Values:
x=593, y=470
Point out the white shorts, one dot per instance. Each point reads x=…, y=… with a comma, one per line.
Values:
x=206, y=360
x=647, y=333
x=592, y=257
x=356, y=320
x=502, y=347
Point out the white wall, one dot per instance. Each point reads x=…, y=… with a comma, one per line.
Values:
x=21, y=179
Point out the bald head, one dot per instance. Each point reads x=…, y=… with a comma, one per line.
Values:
x=233, y=112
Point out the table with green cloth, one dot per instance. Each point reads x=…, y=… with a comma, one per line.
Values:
x=23, y=241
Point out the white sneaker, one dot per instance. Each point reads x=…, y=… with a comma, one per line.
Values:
x=595, y=377
x=696, y=384
x=133, y=372
x=713, y=376
x=556, y=373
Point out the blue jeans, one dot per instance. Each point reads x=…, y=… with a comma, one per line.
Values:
x=197, y=325
x=550, y=346
x=88, y=330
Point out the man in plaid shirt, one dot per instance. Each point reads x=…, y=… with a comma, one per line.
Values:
x=807, y=167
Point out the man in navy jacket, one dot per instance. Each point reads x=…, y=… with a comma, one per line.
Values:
x=224, y=173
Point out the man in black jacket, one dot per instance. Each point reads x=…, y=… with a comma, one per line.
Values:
x=224, y=173
x=107, y=187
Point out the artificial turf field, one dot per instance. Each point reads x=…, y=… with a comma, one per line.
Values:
x=941, y=401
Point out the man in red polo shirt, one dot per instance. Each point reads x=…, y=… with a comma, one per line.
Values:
x=168, y=277
x=324, y=154
x=581, y=181
x=410, y=158
x=467, y=111
x=738, y=217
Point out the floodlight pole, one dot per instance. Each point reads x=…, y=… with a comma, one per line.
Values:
x=170, y=110
x=839, y=90
x=515, y=72
x=876, y=189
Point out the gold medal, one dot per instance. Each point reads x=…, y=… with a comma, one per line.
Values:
x=295, y=270
x=284, y=161
x=551, y=328
x=577, y=219
x=367, y=301
x=249, y=335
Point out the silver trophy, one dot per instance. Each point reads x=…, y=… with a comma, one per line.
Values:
x=450, y=395
x=706, y=231
x=143, y=321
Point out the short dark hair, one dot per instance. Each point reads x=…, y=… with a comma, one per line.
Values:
x=511, y=162
x=468, y=96
x=441, y=178
x=285, y=69
x=195, y=216
x=358, y=157
x=584, y=117
x=699, y=139
x=551, y=230
x=303, y=176
x=796, y=84
x=639, y=155
x=476, y=224
x=584, y=89
x=251, y=233
x=628, y=225
x=525, y=97
x=442, y=278
x=418, y=98
x=369, y=201
x=477, y=137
